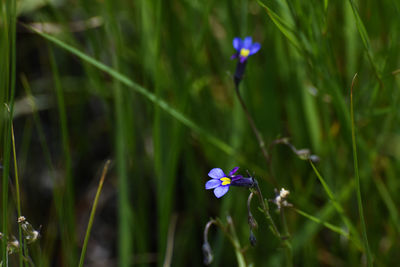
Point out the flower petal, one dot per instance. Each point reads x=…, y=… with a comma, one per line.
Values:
x=237, y=43
x=247, y=42
x=242, y=59
x=216, y=173
x=254, y=48
x=220, y=191
x=211, y=184
x=236, y=177
x=232, y=172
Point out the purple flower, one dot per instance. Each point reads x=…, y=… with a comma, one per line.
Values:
x=221, y=182
x=245, y=48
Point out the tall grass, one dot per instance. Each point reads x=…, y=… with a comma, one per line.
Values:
x=149, y=85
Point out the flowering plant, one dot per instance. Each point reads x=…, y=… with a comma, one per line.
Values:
x=221, y=182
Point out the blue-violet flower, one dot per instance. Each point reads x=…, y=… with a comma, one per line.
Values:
x=245, y=48
x=221, y=182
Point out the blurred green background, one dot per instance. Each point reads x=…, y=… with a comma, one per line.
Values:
x=163, y=109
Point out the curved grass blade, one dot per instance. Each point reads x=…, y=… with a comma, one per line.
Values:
x=309, y=229
x=366, y=42
x=282, y=26
x=93, y=212
x=336, y=204
x=330, y=226
x=150, y=96
x=357, y=178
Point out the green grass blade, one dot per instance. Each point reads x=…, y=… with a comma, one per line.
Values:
x=357, y=180
x=366, y=41
x=330, y=226
x=286, y=30
x=93, y=212
x=68, y=224
x=335, y=203
x=389, y=202
x=7, y=92
x=309, y=229
x=126, y=220
x=18, y=199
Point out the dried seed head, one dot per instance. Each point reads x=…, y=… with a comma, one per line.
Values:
x=284, y=193
x=21, y=219
x=12, y=246
x=30, y=234
x=32, y=237
x=280, y=198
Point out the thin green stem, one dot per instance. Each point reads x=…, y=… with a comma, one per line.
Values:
x=357, y=180
x=93, y=212
x=284, y=239
x=265, y=209
x=9, y=33
x=257, y=133
x=230, y=233
x=286, y=242
x=18, y=197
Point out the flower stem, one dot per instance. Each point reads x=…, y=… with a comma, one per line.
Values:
x=230, y=233
x=285, y=241
x=265, y=209
x=256, y=132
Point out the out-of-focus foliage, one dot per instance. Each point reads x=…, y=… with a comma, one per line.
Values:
x=71, y=114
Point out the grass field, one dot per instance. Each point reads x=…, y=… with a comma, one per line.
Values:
x=140, y=95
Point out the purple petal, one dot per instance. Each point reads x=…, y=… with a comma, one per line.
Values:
x=236, y=177
x=220, y=191
x=242, y=59
x=232, y=172
x=247, y=43
x=211, y=184
x=237, y=43
x=254, y=48
x=216, y=173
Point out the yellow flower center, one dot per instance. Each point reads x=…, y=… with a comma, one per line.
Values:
x=244, y=52
x=225, y=180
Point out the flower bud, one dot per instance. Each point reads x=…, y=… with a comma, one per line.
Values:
x=314, y=158
x=208, y=254
x=253, y=239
